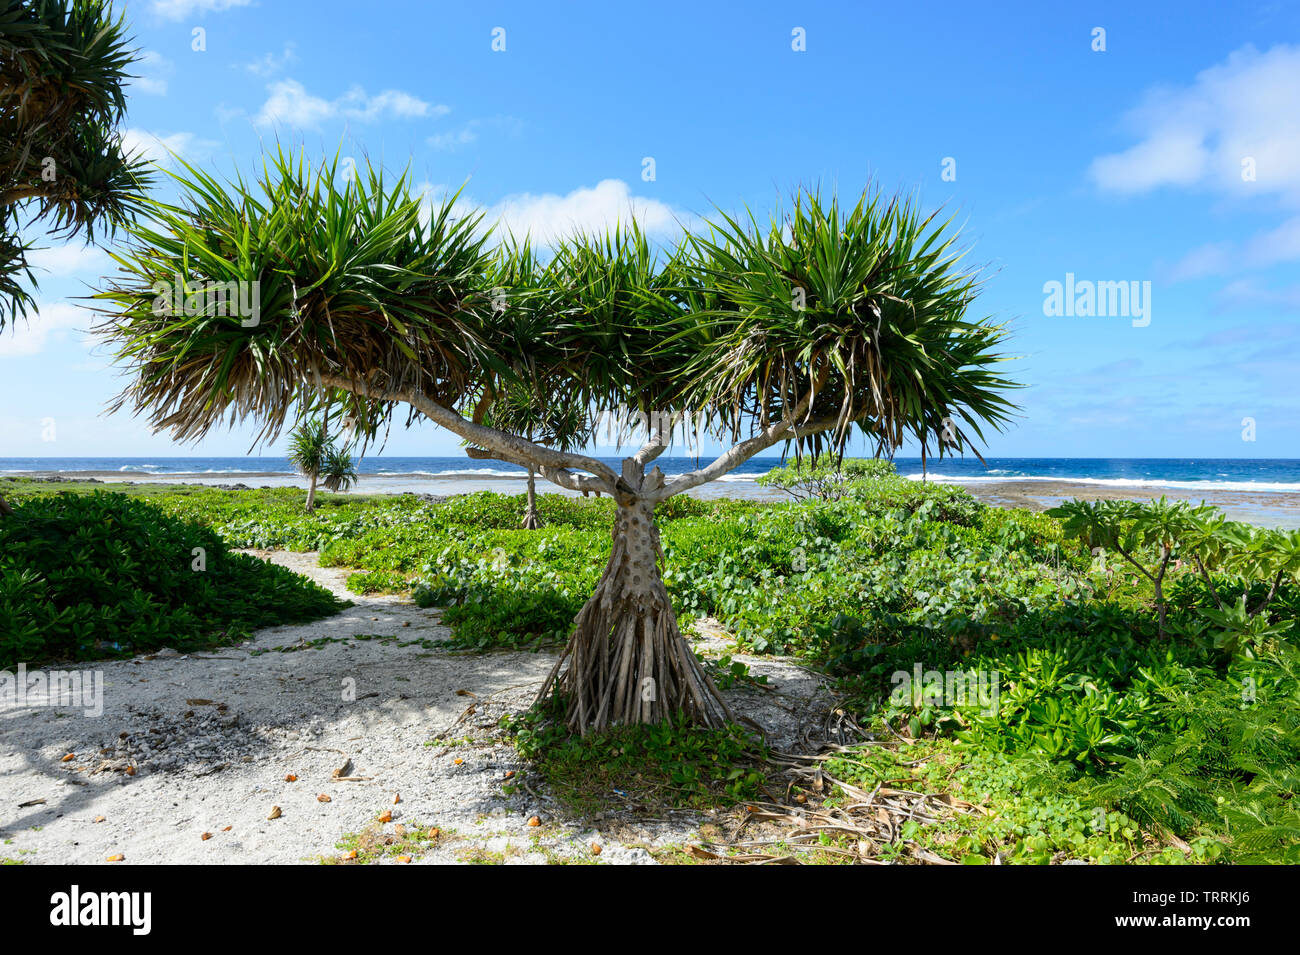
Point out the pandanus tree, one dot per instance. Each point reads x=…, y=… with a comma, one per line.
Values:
x=309, y=448
x=340, y=470
x=801, y=331
x=63, y=66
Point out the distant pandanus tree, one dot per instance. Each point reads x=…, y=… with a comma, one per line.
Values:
x=555, y=423
x=340, y=470
x=803, y=330
x=309, y=445
x=313, y=452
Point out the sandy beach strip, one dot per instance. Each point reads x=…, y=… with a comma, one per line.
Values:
x=1266, y=508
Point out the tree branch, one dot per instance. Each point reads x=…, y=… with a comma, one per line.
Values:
x=575, y=482
x=1145, y=573
x=1214, y=592
x=19, y=193
x=1272, y=592
x=485, y=402
x=783, y=430
x=559, y=476
x=553, y=465
x=654, y=446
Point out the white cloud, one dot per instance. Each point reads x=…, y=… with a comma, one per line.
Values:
x=1199, y=135
x=1236, y=117
x=62, y=261
x=550, y=216
x=291, y=104
x=356, y=105
x=52, y=321
x=270, y=64
x=153, y=71
x=180, y=9
x=1176, y=157
x=158, y=148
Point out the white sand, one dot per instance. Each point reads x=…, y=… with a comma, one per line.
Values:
x=202, y=769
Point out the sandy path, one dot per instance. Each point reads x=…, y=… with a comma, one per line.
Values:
x=210, y=738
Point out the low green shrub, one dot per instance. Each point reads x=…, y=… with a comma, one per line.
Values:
x=825, y=477
x=671, y=764
x=101, y=575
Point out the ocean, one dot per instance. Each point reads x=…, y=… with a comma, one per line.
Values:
x=1182, y=474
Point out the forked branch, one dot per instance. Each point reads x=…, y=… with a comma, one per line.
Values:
x=556, y=466
x=784, y=430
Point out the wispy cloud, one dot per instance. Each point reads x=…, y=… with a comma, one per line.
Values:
x=269, y=64
x=1249, y=294
x=159, y=147
x=469, y=133
x=290, y=104
x=1277, y=246
x=73, y=259
x=461, y=137
x=51, y=322
x=153, y=70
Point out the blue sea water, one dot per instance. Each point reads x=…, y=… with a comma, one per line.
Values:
x=1242, y=474
x=1188, y=474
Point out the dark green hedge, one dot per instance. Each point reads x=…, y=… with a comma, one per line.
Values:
x=104, y=575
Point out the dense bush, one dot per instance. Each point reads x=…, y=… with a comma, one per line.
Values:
x=84, y=577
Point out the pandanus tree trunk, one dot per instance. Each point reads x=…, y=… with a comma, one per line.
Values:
x=311, y=492
x=626, y=662
x=531, y=520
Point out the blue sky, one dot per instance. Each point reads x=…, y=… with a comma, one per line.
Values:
x=1170, y=157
